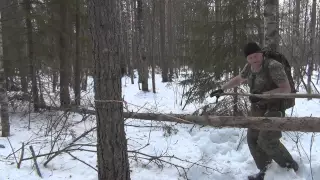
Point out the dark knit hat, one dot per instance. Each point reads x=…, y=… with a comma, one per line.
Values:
x=251, y=48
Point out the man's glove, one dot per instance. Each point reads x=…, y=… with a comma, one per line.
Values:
x=254, y=99
x=216, y=93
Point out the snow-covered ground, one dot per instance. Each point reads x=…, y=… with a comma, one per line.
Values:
x=205, y=152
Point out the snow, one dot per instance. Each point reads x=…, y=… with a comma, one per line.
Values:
x=205, y=152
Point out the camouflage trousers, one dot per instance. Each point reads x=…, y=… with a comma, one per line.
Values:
x=265, y=146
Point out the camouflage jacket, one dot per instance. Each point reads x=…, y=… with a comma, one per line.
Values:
x=259, y=81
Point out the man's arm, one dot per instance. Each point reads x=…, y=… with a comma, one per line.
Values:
x=279, y=77
x=234, y=82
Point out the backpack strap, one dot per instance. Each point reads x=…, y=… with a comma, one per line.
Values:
x=270, y=85
x=265, y=66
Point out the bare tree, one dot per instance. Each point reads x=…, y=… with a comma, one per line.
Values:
x=272, y=24
x=312, y=46
x=64, y=45
x=152, y=47
x=163, y=59
x=77, y=68
x=143, y=70
x=296, y=36
x=3, y=91
x=32, y=71
x=104, y=24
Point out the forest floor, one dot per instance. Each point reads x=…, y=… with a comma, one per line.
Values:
x=176, y=150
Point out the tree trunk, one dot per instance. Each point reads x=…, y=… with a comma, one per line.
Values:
x=143, y=70
x=64, y=69
x=122, y=48
x=54, y=81
x=112, y=144
x=132, y=44
x=163, y=59
x=23, y=79
x=133, y=41
x=77, y=68
x=261, y=24
x=84, y=81
x=126, y=30
x=33, y=72
x=170, y=58
x=5, y=124
x=305, y=42
x=19, y=46
x=296, y=48
x=152, y=47
x=272, y=22
x=235, y=67
x=312, y=46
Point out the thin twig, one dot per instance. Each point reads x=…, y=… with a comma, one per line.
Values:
x=35, y=161
x=70, y=145
x=310, y=162
x=82, y=161
x=21, y=156
x=12, y=150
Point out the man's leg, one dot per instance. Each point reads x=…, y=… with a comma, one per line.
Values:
x=269, y=141
x=261, y=158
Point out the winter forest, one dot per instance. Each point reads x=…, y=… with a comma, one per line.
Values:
x=119, y=89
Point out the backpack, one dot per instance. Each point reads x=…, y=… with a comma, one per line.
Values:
x=269, y=54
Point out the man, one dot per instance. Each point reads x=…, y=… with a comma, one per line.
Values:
x=264, y=146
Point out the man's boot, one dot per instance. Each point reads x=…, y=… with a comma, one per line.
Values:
x=258, y=176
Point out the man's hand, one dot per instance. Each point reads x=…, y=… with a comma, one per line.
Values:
x=254, y=99
x=216, y=93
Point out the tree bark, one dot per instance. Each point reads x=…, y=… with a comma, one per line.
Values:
x=64, y=68
x=261, y=24
x=163, y=58
x=5, y=124
x=143, y=68
x=312, y=46
x=77, y=71
x=133, y=39
x=153, y=64
x=235, y=66
x=33, y=72
x=169, y=57
x=296, y=48
x=272, y=24
x=104, y=26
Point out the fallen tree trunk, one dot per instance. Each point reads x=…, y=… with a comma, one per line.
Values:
x=275, y=95
x=303, y=124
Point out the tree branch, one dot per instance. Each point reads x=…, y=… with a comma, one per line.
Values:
x=276, y=95
x=303, y=124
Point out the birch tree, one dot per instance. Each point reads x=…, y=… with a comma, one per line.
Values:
x=312, y=46
x=271, y=12
x=296, y=36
